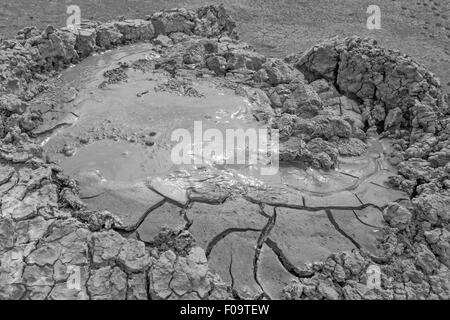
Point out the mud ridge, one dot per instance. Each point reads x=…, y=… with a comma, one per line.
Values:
x=328, y=103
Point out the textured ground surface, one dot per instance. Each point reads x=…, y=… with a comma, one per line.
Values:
x=364, y=139
x=107, y=149
x=420, y=28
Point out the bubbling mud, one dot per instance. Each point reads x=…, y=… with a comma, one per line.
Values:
x=146, y=228
x=116, y=141
x=123, y=131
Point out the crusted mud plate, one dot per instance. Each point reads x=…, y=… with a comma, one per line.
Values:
x=92, y=207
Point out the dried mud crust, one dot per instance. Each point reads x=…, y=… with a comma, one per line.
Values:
x=327, y=103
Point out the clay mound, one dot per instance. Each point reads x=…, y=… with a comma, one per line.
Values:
x=327, y=103
x=397, y=92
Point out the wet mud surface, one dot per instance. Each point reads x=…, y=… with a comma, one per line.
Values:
x=87, y=180
x=115, y=139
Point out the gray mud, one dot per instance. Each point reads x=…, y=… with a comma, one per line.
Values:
x=363, y=179
x=117, y=141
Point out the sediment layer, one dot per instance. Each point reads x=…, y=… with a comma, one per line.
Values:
x=327, y=103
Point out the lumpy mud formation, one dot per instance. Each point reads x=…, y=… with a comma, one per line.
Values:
x=87, y=184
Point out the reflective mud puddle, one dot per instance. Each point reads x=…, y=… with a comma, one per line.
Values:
x=351, y=171
x=123, y=131
x=258, y=231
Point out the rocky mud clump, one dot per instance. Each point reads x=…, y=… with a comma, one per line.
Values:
x=405, y=102
x=170, y=238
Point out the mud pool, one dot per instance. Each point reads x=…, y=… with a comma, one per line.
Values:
x=115, y=139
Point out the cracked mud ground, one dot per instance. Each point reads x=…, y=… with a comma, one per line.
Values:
x=364, y=175
x=311, y=224
x=421, y=28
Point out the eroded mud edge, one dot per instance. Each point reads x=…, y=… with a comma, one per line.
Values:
x=45, y=228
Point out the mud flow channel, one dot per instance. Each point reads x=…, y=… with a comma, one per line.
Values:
x=113, y=134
